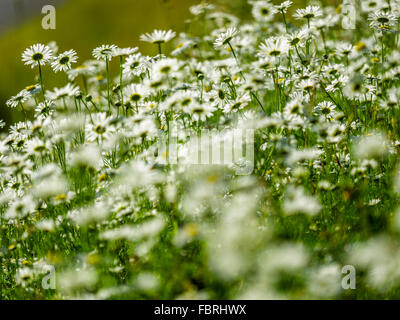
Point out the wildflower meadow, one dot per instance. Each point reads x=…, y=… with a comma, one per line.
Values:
x=246, y=158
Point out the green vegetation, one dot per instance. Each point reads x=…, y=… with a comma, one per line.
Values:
x=107, y=182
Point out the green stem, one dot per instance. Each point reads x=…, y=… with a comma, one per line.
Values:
x=298, y=54
x=201, y=91
x=41, y=80
x=234, y=54
x=324, y=41
x=85, y=84
x=120, y=82
x=382, y=51
x=284, y=20
x=159, y=49
x=23, y=110
x=258, y=101
x=237, y=61
x=108, y=86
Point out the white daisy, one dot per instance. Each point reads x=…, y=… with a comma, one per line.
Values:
x=100, y=128
x=64, y=61
x=135, y=65
x=158, y=36
x=325, y=108
x=135, y=93
x=310, y=12
x=124, y=52
x=20, y=98
x=200, y=111
x=263, y=10
x=382, y=20
x=105, y=52
x=284, y=6
x=274, y=47
x=38, y=54
x=225, y=37
x=59, y=93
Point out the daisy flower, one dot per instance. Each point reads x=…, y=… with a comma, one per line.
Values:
x=20, y=98
x=36, y=146
x=355, y=89
x=371, y=5
x=84, y=70
x=382, y=20
x=20, y=208
x=225, y=37
x=135, y=65
x=294, y=107
x=183, y=46
x=68, y=91
x=263, y=10
x=100, y=128
x=297, y=38
x=307, y=85
x=43, y=108
x=38, y=54
x=343, y=49
x=180, y=100
x=124, y=52
x=308, y=13
x=218, y=96
x=158, y=36
x=284, y=6
x=135, y=93
x=325, y=108
x=274, y=47
x=64, y=60
x=200, y=111
x=238, y=104
x=145, y=128
x=165, y=67
x=201, y=8
x=105, y=52
x=337, y=83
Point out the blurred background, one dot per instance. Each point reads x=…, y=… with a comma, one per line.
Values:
x=81, y=25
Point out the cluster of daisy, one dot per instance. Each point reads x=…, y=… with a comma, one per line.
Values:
x=85, y=187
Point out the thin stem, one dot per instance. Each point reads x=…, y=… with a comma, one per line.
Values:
x=201, y=91
x=324, y=40
x=284, y=20
x=23, y=110
x=237, y=61
x=234, y=54
x=382, y=51
x=85, y=84
x=331, y=98
x=275, y=76
x=108, y=86
x=120, y=82
x=159, y=49
x=298, y=53
x=241, y=73
x=41, y=79
x=258, y=101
